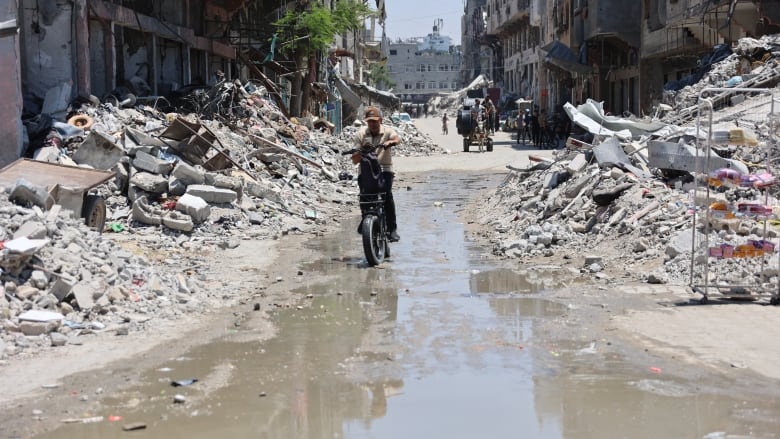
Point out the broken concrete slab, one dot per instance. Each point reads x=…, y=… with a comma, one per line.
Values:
x=25, y=192
x=84, y=295
x=25, y=245
x=196, y=207
x=145, y=213
x=99, y=151
x=61, y=288
x=32, y=230
x=577, y=164
x=150, y=163
x=189, y=174
x=212, y=194
x=38, y=315
x=178, y=221
x=152, y=183
x=604, y=197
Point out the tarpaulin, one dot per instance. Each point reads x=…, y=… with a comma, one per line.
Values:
x=559, y=55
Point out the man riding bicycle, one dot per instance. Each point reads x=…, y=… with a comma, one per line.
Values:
x=380, y=139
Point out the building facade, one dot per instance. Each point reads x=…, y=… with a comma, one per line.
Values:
x=424, y=68
x=477, y=57
x=620, y=53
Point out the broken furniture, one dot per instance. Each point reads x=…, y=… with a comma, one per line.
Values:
x=67, y=186
x=731, y=250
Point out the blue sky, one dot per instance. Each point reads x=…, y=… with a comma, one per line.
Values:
x=415, y=18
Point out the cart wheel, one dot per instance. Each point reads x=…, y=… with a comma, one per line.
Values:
x=94, y=212
x=466, y=142
x=774, y=300
x=703, y=300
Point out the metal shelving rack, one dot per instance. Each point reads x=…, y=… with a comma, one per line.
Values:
x=725, y=260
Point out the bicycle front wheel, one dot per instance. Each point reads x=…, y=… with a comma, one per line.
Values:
x=374, y=241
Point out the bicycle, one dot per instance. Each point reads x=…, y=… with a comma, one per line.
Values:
x=373, y=223
x=373, y=228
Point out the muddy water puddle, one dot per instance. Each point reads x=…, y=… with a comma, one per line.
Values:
x=439, y=342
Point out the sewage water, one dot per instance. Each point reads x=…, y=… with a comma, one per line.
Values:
x=438, y=343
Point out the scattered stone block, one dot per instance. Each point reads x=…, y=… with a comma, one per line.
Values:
x=153, y=183
x=32, y=230
x=577, y=164
x=27, y=292
x=178, y=221
x=58, y=339
x=189, y=174
x=197, y=208
x=27, y=193
x=61, y=288
x=152, y=164
x=85, y=295
x=212, y=194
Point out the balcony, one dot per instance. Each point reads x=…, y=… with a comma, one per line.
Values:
x=602, y=21
x=502, y=17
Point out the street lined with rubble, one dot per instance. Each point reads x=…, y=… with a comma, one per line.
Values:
x=610, y=313
x=224, y=224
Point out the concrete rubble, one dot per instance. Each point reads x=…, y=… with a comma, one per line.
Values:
x=618, y=194
x=185, y=184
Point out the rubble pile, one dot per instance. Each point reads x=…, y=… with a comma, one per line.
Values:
x=183, y=185
x=413, y=142
x=626, y=202
x=246, y=166
x=752, y=64
x=63, y=281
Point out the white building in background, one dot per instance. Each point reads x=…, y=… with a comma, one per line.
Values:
x=424, y=67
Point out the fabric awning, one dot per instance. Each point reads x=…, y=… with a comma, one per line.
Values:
x=559, y=55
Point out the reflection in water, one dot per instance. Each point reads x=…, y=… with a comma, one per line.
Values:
x=507, y=281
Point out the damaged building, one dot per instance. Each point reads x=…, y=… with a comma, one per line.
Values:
x=624, y=54
x=56, y=53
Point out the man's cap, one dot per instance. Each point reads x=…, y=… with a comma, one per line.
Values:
x=372, y=113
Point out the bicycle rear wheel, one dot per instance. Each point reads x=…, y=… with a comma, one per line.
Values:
x=374, y=241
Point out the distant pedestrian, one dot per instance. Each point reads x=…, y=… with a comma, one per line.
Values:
x=536, y=132
x=444, y=120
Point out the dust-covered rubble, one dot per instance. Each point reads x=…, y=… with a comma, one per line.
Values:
x=620, y=207
x=185, y=185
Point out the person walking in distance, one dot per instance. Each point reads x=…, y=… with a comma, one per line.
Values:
x=524, y=126
x=444, y=121
x=536, y=132
x=380, y=138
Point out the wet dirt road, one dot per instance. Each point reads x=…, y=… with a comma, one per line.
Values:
x=440, y=342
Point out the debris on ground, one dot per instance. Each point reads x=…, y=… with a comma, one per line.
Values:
x=625, y=190
x=215, y=166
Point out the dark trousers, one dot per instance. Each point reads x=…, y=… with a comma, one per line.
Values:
x=390, y=203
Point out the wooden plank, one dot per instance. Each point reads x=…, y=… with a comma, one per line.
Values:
x=51, y=174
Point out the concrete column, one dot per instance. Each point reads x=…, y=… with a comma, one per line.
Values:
x=153, y=56
x=186, y=64
x=109, y=55
x=83, y=77
x=11, y=128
